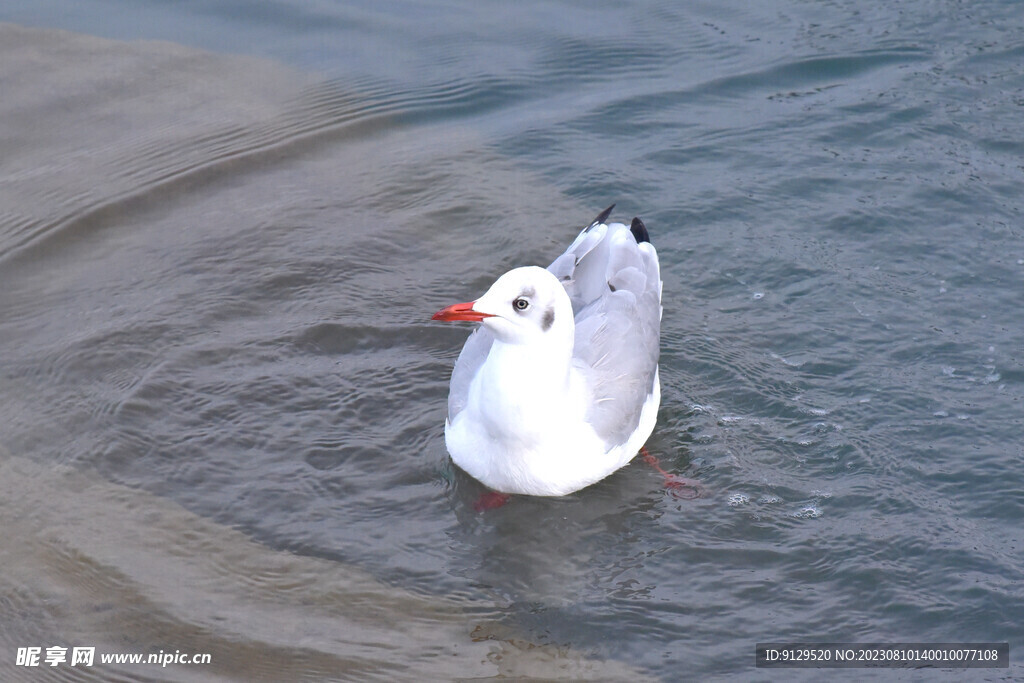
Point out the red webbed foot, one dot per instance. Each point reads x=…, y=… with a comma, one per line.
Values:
x=677, y=486
x=490, y=500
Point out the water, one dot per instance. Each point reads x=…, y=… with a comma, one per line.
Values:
x=223, y=398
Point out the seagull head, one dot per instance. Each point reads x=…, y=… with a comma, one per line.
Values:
x=525, y=305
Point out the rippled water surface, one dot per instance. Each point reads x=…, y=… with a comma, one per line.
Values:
x=224, y=227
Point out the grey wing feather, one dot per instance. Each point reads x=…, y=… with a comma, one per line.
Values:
x=473, y=355
x=615, y=288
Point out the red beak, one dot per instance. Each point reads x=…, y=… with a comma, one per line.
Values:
x=461, y=312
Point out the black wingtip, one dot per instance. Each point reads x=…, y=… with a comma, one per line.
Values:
x=639, y=230
x=601, y=217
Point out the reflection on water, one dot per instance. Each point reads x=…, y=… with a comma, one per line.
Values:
x=95, y=564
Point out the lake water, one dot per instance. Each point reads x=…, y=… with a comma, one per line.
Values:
x=224, y=227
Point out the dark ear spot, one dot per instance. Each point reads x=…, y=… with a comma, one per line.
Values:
x=548, y=320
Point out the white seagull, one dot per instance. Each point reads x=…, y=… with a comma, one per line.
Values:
x=559, y=387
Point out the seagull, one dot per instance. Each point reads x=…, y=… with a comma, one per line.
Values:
x=558, y=387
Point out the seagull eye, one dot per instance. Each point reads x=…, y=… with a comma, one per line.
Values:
x=520, y=304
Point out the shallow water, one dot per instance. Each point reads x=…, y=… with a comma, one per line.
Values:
x=217, y=271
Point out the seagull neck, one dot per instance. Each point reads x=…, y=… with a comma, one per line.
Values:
x=536, y=369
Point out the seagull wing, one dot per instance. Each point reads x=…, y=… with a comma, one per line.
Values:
x=612, y=276
x=473, y=355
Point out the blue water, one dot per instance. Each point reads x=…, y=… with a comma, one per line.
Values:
x=835, y=193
